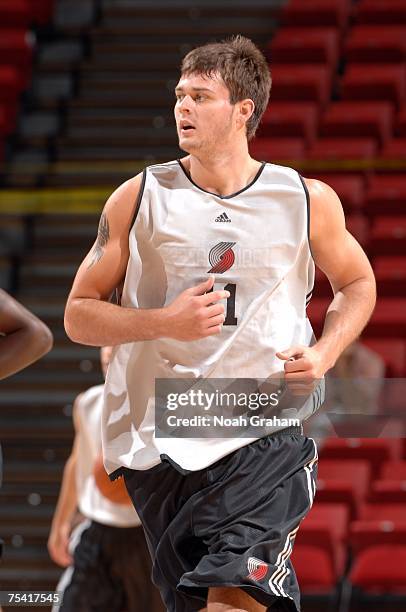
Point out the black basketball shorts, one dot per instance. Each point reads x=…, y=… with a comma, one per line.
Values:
x=232, y=524
x=110, y=572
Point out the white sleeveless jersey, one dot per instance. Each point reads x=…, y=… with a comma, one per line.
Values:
x=91, y=502
x=256, y=244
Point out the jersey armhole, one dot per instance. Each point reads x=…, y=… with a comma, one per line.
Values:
x=139, y=198
x=307, y=212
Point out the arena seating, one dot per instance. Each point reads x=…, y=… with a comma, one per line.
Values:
x=380, y=570
x=375, y=451
x=351, y=188
x=395, y=149
x=305, y=46
x=352, y=119
x=393, y=352
x=337, y=149
x=394, y=470
x=386, y=193
x=343, y=481
x=315, y=13
x=284, y=119
x=307, y=82
x=380, y=82
x=326, y=529
x=401, y=122
x=280, y=148
x=388, y=235
x=375, y=11
x=376, y=44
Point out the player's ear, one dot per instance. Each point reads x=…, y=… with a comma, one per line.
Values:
x=246, y=109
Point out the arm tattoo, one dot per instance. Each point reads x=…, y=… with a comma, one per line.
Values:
x=103, y=235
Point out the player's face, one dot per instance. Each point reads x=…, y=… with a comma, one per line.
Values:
x=203, y=113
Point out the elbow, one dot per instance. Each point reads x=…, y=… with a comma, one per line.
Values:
x=47, y=340
x=371, y=283
x=70, y=322
x=41, y=339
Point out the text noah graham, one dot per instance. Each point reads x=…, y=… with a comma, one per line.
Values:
x=221, y=421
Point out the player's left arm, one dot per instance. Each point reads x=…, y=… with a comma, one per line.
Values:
x=341, y=258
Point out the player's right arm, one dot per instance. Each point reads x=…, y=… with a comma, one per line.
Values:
x=89, y=316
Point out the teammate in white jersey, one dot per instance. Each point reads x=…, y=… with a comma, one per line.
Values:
x=216, y=252
x=105, y=554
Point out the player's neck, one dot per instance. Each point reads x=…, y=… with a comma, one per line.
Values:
x=222, y=174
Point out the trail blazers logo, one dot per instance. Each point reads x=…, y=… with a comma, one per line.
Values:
x=221, y=257
x=257, y=569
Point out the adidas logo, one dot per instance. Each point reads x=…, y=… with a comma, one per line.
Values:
x=223, y=218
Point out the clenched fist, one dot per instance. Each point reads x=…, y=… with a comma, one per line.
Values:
x=196, y=313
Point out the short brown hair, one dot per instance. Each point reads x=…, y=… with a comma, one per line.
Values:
x=243, y=69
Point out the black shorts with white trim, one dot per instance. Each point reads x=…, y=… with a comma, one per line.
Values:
x=232, y=524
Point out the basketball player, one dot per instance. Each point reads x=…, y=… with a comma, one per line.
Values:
x=107, y=561
x=217, y=253
x=23, y=340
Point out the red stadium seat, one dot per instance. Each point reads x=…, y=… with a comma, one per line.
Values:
x=304, y=46
x=41, y=10
x=382, y=82
x=388, y=492
x=388, y=235
x=380, y=569
x=295, y=120
x=309, y=83
x=376, y=11
x=352, y=119
x=10, y=85
x=357, y=224
x=389, y=317
x=375, y=451
x=15, y=14
x=322, y=287
x=275, y=149
x=392, y=351
x=401, y=122
x=364, y=534
x=342, y=481
x=394, y=149
x=316, y=311
x=16, y=50
x=350, y=188
x=334, y=517
x=339, y=149
x=387, y=268
x=316, y=13
x=386, y=194
x=394, y=470
x=305, y=559
x=3, y=121
x=326, y=526
x=390, y=273
x=8, y=116
x=383, y=512
x=378, y=44
x=391, y=227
